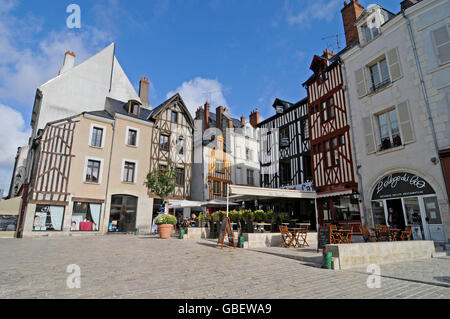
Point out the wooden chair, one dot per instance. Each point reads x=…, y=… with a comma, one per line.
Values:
x=287, y=239
x=406, y=234
x=301, y=237
x=367, y=234
x=336, y=236
x=383, y=233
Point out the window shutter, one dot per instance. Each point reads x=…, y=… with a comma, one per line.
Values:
x=394, y=64
x=368, y=133
x=442, y=42
x=405, y=123
x=360, y=82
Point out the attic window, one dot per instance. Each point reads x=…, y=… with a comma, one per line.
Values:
x=134, y=108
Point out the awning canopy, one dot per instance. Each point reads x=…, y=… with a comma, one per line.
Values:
x=332, y=194
x=184, y=204
x=218, y=203
x=243, y=193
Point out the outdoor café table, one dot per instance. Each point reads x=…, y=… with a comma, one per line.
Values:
x=295, y=233
x=262, y=225
x=395, y=233
x=342, y=236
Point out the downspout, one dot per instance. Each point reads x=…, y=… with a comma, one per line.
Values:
x=349, y=110
x=424, y=91
x=109, y=173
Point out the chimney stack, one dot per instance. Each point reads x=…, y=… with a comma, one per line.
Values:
x=243, y=120
x=350, y=13
x=206, y=115
x=69, y=62
x=219, y=117
x=254, y=118
x=327, y=54
x=143, y=92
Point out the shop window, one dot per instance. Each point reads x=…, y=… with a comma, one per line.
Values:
x=8, y=222
x=346, y=208
x=326, y=210
x=85, y=216
x=379, y=218
x=433, y=215
x=48, y=218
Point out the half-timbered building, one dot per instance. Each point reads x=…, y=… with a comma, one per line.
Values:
x=89, y=172
x=331, y=154
x=285, y=147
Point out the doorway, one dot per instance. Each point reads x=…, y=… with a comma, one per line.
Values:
x=122, y=217
x=394, y=207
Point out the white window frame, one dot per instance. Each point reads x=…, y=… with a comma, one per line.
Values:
x=435, y=47
x=377, y=63
x=137, y=136
x=100, y=173
x=391, y=137
x=123, y=171
x=94, y=125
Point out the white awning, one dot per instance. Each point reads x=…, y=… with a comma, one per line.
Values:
x=347, y=192
x=218, y=203
x=243, y=193
x=183, y=204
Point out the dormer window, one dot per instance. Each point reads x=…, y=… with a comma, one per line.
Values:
x=134, y=108
x=370, y=32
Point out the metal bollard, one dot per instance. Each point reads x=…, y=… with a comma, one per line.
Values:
x=327, y=260
x=241, y=242
x=181, y=234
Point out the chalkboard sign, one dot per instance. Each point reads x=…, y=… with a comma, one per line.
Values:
x=226, y=229
x=323, y=237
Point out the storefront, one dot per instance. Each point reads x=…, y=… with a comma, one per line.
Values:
x=339, y=208
x=404, y=199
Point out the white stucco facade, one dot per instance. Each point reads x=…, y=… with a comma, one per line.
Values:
x=391, y=129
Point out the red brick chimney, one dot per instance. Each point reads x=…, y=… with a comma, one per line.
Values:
x=350, y=13
x=243, y=120
x=206, y=115
x=144, y=91
x=230, y=123
x=219, y=117
x=254, y=118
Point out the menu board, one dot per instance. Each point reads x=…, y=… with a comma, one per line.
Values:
x=323, y=237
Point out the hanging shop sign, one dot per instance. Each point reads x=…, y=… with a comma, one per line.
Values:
x=401, y=185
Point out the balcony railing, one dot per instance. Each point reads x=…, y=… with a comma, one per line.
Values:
x=376, y=87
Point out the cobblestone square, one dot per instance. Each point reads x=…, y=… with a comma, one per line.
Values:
x=121, y=266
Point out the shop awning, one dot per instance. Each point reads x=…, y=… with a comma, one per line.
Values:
x=184, y=204
x=243, y=193
x=332, y=194
x=218, y=203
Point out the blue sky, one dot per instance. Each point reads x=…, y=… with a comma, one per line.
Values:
x=238, y=53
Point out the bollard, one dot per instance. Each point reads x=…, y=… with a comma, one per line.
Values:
x=137, y=232
x=181, y=234
x=241, y=242
x=327, y=260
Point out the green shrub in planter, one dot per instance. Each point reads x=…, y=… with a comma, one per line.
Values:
x=259, y=216
x=248, y=215
x=234, y=216
x=269, y=217
x=221, y=214
x=165, y=219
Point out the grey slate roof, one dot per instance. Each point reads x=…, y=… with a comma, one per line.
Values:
x=120, y=107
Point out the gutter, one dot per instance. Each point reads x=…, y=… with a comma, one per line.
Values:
x=352, y=136
x=109, y=173
x=425, y=94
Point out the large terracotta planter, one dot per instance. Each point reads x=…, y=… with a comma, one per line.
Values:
x=165, y=230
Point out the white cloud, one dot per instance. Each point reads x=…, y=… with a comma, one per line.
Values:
x=13, y=134
x=199, y=90
x=312, y=10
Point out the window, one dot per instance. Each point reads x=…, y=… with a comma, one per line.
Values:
x=442, y=44
x=285, y=172
x=8, y=222
x=48, y=218
x=307, y=170
x=305, y=129
x=370, y=33
x=326, y=211
x=266, y=180
x=346, y=208
x=132, y=137
x=219, y=166
x=224, y=189
x=331, y=152
x=180, y=176
x=389, y=130
x=284, y=136
x=379, y=74
x=269, y=145
x=164, y=142
x=85, y=217
x=328, y=110
x=180, y=145
x=134, y=109
x=250, y=177
x=216, y=188
x=174, y=117
x=128, y=172
x=92, y=171
x=97, y=137
x=248, y=154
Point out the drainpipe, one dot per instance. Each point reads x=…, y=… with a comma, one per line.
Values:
x=109, y=174
x=424, y=90
x=352, y=136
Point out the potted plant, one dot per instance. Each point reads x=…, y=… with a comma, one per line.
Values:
x=162, y=182
x=165, y=223
x=259, y=216
x=200, y=220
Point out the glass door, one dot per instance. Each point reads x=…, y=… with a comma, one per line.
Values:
x=433, y=221
x=413, y=217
